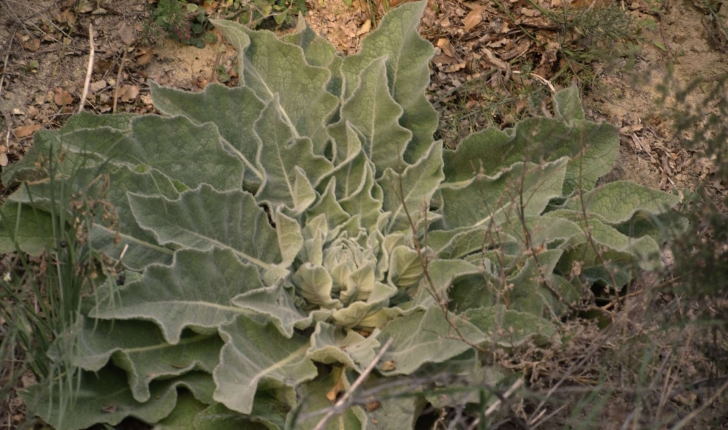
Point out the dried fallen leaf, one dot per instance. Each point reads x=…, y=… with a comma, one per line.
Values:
x=146, y=99
x=3, y=159
x=145, y=57
x=32, y=45
x=68, y=17
x=127, y=34
x=26, y=130
x=129, y=92
x=85, y=7
x=62, y=97
x=473, y=18
x=97, y=86
x=443, y=59
x=455, y=67
x=365, y=27
x=388, y=365
x=102, y=66
x=531, y=13
x=446, y=47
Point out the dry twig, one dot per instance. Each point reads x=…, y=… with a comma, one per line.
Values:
x=118, y=80
x=90, y=68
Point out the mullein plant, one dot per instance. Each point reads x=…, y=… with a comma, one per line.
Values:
x=276, y=235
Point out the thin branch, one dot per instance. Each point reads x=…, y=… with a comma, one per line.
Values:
x=90, y=68
x=118, y=80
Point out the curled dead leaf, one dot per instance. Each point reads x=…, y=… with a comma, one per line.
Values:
x=67, y=16
x=127, y=34
x=473, y=18
x=531, y=13
x=32, y=45
x=388, y=365
x=446, y=47
x=145, y=57
x=365, y=28
x=129, y=92
x=62, y=97
x=102, y=66
x=456, y=67
x=26, y=130
x=97, y=86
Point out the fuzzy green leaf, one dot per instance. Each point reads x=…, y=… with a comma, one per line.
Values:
x=484, y=199
x=412, y=189
x=257, y=357
x=536, y=140
x=425, y=337
x=139, y=348
x=28, y=228
x=272, y=67
x=105, y=397
x=234, y=112
x=289, y=163
x=314, y=398
x=618, y=201
x=195, y=291
x=204, y=218
x=375, y=114
x=408, y=74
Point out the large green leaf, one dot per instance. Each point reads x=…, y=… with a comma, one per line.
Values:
x=195, y=292
x=510, y=328
x=184, y=413
x=257, y=357
x=330, y=344
x=278, y=305
x=408, y=74
x=536, y=140
x=234, y=112
x=374, y=113
x=618, y=201
x=272, y=67
x=105, y=397
x=103, y=190
x=484, y=199
x=139, y=348
x=411, y=189
x=204, y=218
x=27, y=168
x=27, y=228
x=165, y=144
x=291, y=167
x=426, y=337
x=269, y=413
x=318, y=52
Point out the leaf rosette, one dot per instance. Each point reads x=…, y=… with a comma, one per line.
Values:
x=307, y=216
